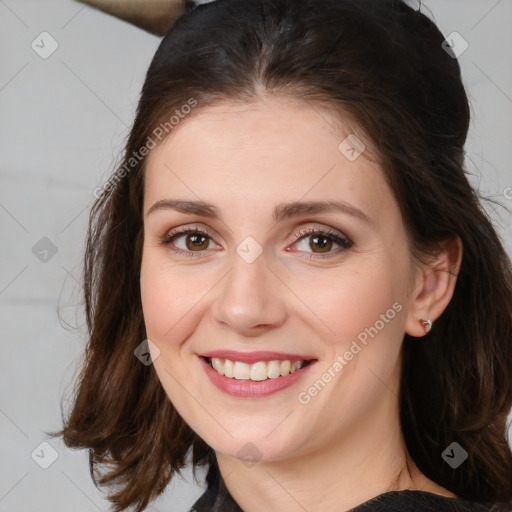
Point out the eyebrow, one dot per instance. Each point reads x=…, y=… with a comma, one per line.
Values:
x=281, y=211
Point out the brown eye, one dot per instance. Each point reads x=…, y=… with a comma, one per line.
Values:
x=187, y=242
x=322, y=242
x=197, y=242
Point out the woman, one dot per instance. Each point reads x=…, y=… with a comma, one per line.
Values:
x=292, y=242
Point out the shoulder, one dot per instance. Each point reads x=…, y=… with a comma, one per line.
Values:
x=423, y=501
x=215, y=500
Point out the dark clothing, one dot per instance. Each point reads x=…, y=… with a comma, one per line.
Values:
x=217, y=499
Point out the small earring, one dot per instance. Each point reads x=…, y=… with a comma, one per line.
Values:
x=427, y=325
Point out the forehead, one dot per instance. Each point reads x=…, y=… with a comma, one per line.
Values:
x=267, y=151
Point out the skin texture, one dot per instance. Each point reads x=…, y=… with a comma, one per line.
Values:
x=245, y=160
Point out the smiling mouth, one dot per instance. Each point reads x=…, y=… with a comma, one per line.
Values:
x=259, y=371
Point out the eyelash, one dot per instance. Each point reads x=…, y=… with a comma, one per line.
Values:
x=343, y=241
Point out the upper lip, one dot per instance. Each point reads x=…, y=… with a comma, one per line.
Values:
x=254, y=357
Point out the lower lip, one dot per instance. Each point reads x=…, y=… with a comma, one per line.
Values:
x=253, y=389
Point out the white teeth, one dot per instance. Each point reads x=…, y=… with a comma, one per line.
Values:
x=285, y=367
x=217, y=365
x=274, y=369
x=229, y=368
x=295, y=366
x=257, y=371
x=242, y=371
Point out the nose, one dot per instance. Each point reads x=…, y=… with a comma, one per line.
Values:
x=251, y=299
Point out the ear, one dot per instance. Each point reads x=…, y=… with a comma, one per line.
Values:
x=434, y=286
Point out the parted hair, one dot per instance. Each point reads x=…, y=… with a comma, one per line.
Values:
x=383, y=64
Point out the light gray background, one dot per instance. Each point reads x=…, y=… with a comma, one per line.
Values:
x=63, y=121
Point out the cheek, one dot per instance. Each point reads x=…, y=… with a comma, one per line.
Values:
x=360, y=313
x=346, y=301
x=170, y=297
x=155, y=301
x=159, y=296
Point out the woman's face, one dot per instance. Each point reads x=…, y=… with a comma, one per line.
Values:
x=273, y=280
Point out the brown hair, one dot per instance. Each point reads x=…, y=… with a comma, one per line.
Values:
x=382, y=63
